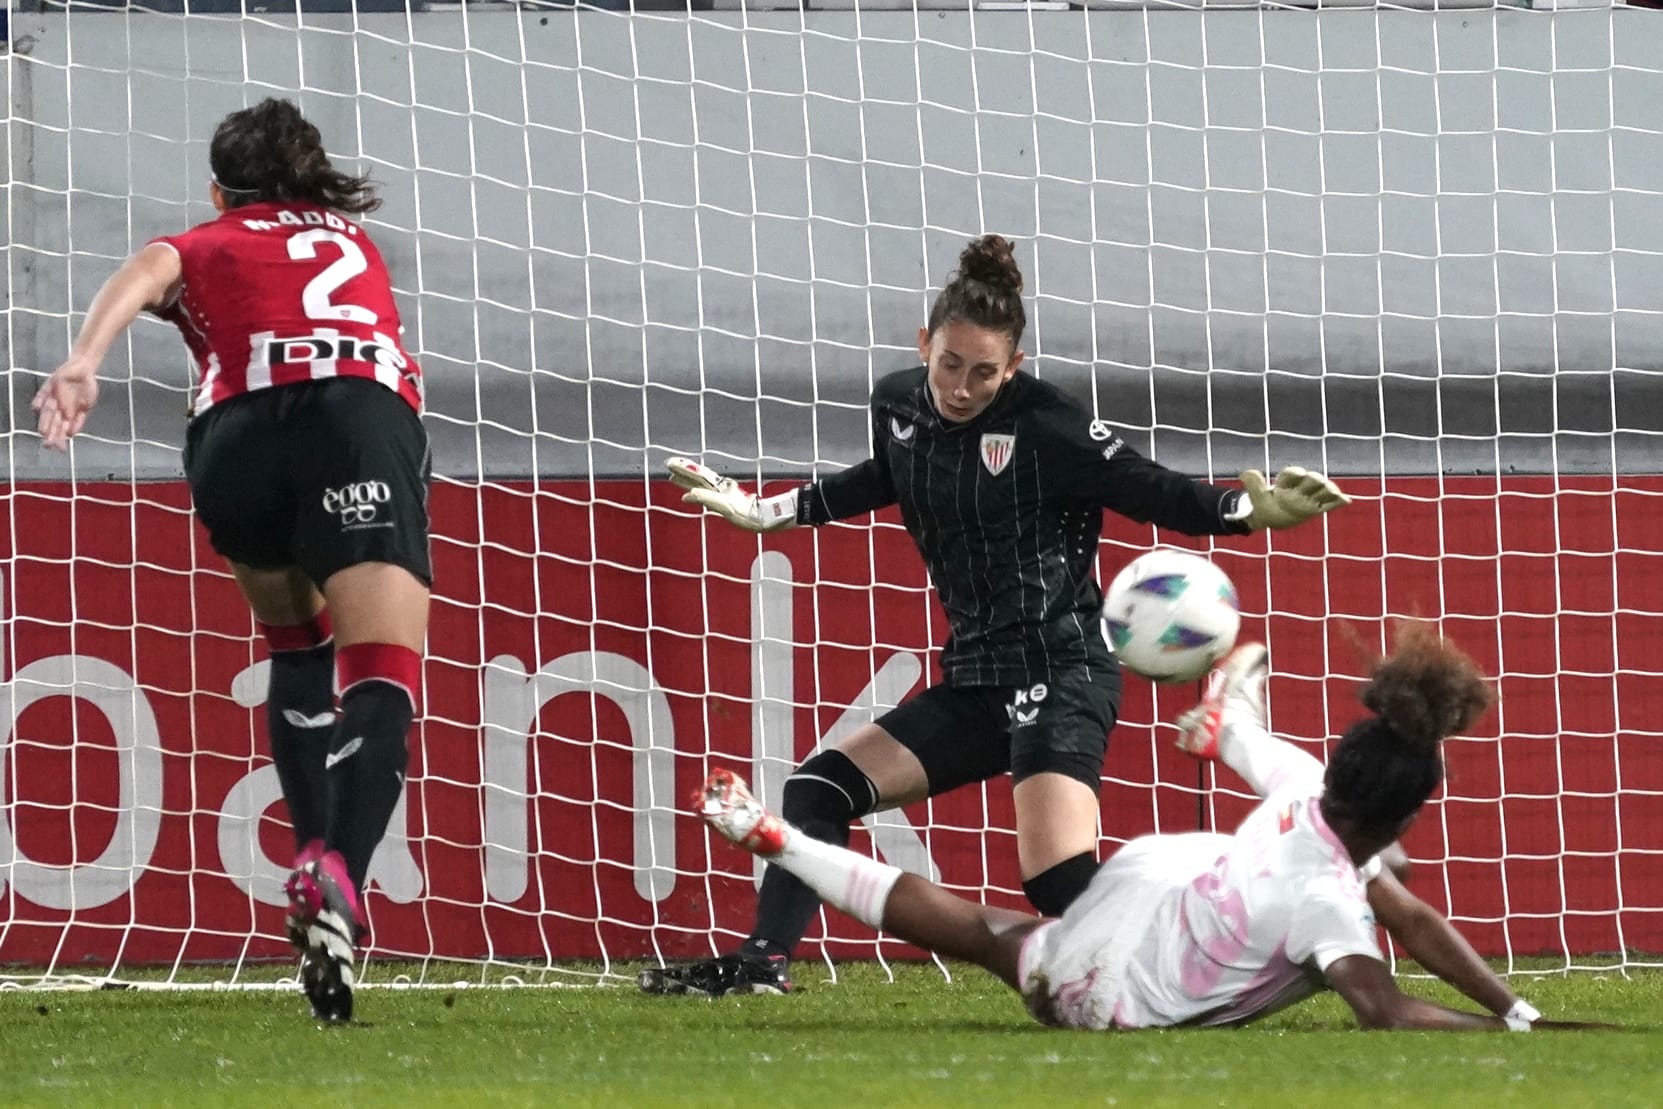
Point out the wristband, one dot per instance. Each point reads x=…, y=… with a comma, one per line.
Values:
x=1519, y=1017
x=777, y=512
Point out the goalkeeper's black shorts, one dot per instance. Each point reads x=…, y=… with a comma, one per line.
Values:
x=971, y=734
x=323, y=474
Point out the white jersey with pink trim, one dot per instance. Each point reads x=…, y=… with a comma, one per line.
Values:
x=1205, y=928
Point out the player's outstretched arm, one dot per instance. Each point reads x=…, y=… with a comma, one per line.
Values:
x=147, y=280
x=1368, y=987
x=1296, y=496
x=723, y=496
x=1432, y=941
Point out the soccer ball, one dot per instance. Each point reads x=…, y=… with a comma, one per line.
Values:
x=1170, y=615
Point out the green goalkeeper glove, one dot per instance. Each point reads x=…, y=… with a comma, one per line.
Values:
x=1297, y=496
x=723, y=496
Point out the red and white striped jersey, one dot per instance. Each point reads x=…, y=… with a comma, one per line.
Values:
x=280, y=292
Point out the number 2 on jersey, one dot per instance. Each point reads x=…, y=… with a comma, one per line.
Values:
x=314, y=299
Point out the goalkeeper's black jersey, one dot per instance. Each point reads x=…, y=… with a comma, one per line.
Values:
x=1006, y=510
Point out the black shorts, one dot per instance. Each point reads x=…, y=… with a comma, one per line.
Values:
x=971, y=734
x=322, y=475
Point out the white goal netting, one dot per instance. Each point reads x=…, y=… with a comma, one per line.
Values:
x=1417, y=249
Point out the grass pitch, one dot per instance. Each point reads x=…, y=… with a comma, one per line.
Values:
x=864, y=1040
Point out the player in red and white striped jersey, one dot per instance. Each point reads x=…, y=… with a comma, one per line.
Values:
x=282, y=292
x=309, y=468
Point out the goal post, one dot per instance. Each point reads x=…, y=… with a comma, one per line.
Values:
x=1417, y=249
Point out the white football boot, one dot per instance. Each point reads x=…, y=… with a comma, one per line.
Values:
x=725, y=803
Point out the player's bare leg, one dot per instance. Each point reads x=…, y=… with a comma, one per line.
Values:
x=922, y=913
x=377, y=602
x=1056, y=839
x=905, y=905
x=282, y=596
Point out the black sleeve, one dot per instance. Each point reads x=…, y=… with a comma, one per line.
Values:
x=863, y=487
x=1088, y=459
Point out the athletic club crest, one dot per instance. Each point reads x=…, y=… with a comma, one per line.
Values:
x=997, y=451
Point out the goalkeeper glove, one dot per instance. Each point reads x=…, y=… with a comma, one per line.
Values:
x=1297, y=496
x=722, y=495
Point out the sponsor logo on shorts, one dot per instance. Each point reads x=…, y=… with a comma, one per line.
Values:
x=1100, y=431
x=1022, y=718
x=359, y=505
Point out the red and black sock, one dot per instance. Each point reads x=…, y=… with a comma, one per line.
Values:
x=380, y=692
x=300, y=718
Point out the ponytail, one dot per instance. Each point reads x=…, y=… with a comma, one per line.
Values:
x=272, y=152
x=1387, y=764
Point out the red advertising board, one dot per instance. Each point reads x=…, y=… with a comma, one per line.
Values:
x=595, y=648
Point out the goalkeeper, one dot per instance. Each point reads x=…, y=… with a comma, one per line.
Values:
x=1001, y=481
x=1207, y=929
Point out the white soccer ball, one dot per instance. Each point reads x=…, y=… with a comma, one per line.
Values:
x=1170, y=615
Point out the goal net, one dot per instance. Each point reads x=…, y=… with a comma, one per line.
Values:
x=1418, y=249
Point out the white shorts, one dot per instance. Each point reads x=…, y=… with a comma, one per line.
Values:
x=1073, y=970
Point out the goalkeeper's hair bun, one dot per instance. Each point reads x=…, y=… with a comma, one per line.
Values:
x=985, y=290
x=272, y=152
x=991, y=260
x=1389, y=763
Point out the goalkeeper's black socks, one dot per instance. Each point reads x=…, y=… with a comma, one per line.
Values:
x=300, y=718
x=820, y=800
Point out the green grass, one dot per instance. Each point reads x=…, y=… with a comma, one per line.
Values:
x=861, y=1042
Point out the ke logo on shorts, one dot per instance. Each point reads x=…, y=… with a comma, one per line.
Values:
x=1032, y=696
x=358, y=504
x=997, y=451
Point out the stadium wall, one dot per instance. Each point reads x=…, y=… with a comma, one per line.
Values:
x=541, y=819
x=1383, y=241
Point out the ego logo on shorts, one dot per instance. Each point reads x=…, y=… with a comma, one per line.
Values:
x=358, y=503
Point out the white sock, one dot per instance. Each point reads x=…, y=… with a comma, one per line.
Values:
x=852, y=882
x=1264, y=762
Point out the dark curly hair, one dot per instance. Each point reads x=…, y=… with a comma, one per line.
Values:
x=1387, y=764
x=985, y=290
x=271, y=152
